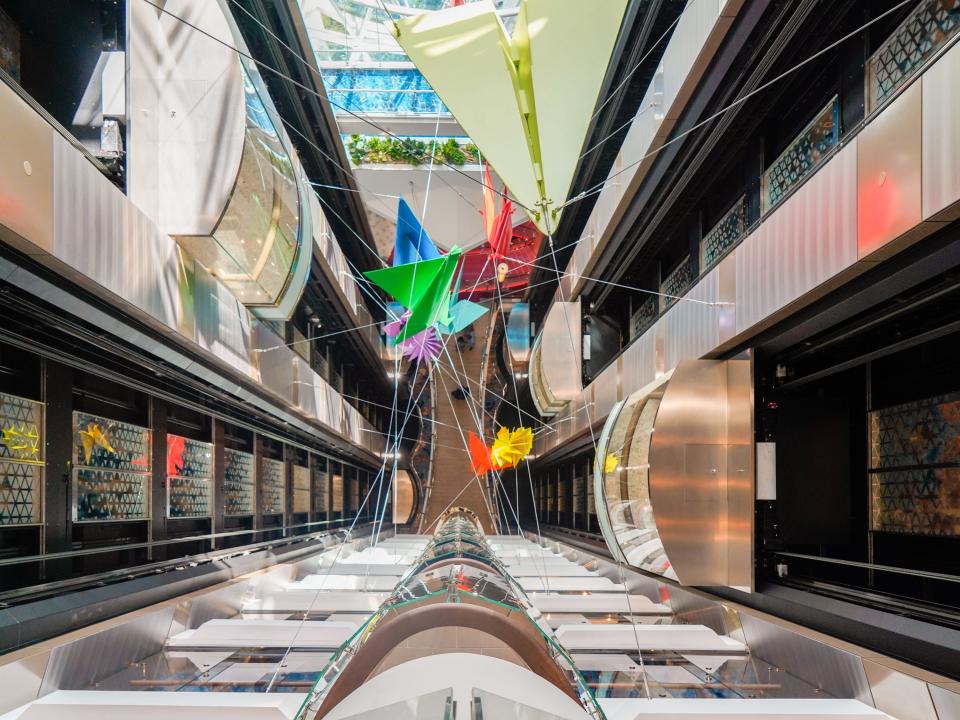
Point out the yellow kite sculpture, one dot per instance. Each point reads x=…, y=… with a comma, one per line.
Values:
x=510, y=448
x=526, y=100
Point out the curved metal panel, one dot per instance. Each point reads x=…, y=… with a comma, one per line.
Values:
x=518, y=336
x=555, y=361
x=701, y=473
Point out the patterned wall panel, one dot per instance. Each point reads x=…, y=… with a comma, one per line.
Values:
x=301, y=489
x=927, y=29
x=676, y=283
x=105, y=495
x=272, y=486
x=21, y=460
x=337, y=491
x=728, y=230
x=802, y=156
x=915, y=467
x=189, y=477
x=321, y=496
x=239, y=484
x=111, y=473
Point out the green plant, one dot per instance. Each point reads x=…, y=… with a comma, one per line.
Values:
x=375, y=150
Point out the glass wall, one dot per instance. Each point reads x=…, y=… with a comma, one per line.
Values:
x=255, y=245
x=622, y=489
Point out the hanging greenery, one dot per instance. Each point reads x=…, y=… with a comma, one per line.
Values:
x=374, y=150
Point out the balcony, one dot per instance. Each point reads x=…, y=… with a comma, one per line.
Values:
x=677, y=282
x=724, y=235
x=801, y=157
x=920, y=36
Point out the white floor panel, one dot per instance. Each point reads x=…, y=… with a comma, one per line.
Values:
x=569, y=584
x=297, y=600
x=675, y=638
x=597, y=603
x=123, y=705
x=322, y=581
x=265, y=633
x=747, y=709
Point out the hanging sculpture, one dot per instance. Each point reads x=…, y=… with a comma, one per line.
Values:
x=508, y=449
x=424, y=282
x=423, y=347
x=526, y=99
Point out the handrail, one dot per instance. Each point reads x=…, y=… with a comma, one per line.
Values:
x=30, y=592
x=159, y=543
x=52, y=121
x=872, y=566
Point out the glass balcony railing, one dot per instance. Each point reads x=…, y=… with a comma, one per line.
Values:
x=677, y=282
x=925, y=30
x=810, y=148
x=724, y=235
x=644, y=316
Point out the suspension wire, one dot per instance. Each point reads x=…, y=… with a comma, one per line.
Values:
x=307, y=89
x=736, y=103
x=640, y=62
x=593, y=442
x=533, y=499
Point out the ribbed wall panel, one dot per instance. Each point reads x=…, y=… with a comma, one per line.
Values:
x=640, y=362
x=606, y=388
x=695, y=25
x=808, y=239
x=103, y=236
x=941, y=133
x=692, y=324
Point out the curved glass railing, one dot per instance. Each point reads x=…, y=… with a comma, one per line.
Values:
x=260, y=247
x=622, y=484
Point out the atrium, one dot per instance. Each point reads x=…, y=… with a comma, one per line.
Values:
x=480, y=359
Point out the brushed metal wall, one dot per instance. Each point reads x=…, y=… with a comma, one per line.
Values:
x=701, y=473
x=26, y=175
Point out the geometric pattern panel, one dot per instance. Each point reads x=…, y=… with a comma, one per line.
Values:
x=271, y=486
x=20, y=485
x=321, y=497
x=111, y=476
x=21, y=429
x=188, y=497
x=337, y=491
x=919, y=37
x=301, y=489
x=102, y=495
x=102, y=443
x=803, y=155
x=189, y=458
x=189, y=477
x=923, y=432
x=644, y=316
x=920, y=501
x=239, y=482
x=724, y=234
x=677, y=283
x=915, y=467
